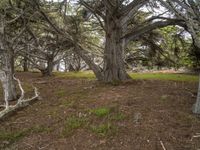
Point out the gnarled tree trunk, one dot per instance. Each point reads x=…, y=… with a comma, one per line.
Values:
x=114, y=68
x=9, y=83
x=8, y=63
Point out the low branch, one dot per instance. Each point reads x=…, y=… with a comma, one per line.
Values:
x=136, y=32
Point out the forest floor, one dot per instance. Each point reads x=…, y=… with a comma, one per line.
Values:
x=77, y=113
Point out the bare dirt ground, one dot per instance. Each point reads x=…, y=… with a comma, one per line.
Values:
x=82, y=114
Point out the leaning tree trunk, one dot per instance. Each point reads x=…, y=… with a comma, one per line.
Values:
x=85, y=56
x=114, y=68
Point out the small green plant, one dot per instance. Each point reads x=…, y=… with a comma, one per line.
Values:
x=13, y=136
x=164, y=97
x=68, y=103
x=147, y=76
x=73, y=123
x=118, y=117
x=104, y=129
x=40, y=129
x=101, y=112
x=60, y=93
x=82, y=74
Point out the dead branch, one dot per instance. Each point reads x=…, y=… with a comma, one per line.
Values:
x=195, y=136
x=163, y=146
x=21, y=102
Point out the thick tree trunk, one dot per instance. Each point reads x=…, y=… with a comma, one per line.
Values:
x=25, y=65
x=114, y=68
x=9, y=81
x=49, y=69
x=196, y=108
x=58, y=66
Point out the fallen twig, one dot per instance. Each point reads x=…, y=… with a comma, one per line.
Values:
x=195, y=136
x=163, y=146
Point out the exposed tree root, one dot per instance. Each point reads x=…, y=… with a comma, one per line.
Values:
x=21, y=102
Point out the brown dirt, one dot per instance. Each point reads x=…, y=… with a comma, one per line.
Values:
x=154, y=111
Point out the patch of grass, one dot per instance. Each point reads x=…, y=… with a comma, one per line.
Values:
x=40, y=129
x=27, y=87
x=104, y=129
x=82, y=74
x=12, y=136
x=146, y=76
x=118, y=116
x=68, y=103
x=79, y=95
x=186, y=119
x=73, y=123
x=164, y=97
x=60, y=93
x=53, y=111
x=101, y=112
x=165, y=76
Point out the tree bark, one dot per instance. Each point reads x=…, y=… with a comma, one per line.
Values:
x=196, y=108
x=8, y=63
x=114, y=68
x=25, y=65
x=9, y=82
x=85, y=56
x=49, y=69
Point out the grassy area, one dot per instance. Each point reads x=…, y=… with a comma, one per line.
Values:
x=136, y=76
x=105, y=129
x=13, y=136
x=101, y=112
x=73, y=123
x=85, y=74
x=165, y=76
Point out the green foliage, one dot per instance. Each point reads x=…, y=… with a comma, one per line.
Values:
x=13, y=135
x=73, y=123
x=68, y=103
x=165, y=76
x=85, y=74
x=176, y=46
x=3, y=3
x=60, y=93
x=135, y=76
x=104, y=129
x=40, y=129
x=101, y=112
x=118, y=117
x=164, y=97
